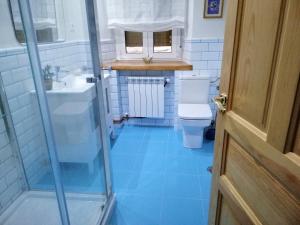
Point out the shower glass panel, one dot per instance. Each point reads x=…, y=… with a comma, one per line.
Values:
x=24, y=157
x=23, y=162
x=74, y=111
x=28, y=190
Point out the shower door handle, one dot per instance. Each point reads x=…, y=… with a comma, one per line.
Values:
x=92, y=80
x=2, y=110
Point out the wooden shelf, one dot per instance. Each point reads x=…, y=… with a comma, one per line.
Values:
x=155, y=65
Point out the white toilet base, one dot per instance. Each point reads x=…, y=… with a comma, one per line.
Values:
x=192, y=138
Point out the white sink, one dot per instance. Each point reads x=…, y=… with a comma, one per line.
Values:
x=72, y=88
x=72, y=85
x=72, y=105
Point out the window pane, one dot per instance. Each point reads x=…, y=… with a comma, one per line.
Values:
x=162, y=42
x=134, y=42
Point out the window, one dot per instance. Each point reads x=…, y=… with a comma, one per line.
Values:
x=134, y=42
x=136, y=45
x=162, y=42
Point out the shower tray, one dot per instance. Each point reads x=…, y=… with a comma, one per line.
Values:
x=36, y=208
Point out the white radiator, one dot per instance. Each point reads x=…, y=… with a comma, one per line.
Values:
x=146, y=97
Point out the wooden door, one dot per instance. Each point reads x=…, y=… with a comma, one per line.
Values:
x=256, y=172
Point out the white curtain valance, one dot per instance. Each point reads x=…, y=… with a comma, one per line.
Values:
x=146, y=15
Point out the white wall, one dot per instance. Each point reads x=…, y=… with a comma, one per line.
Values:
x=74, y=19
x=199, y=27
x=76, y=22
x=105, y=33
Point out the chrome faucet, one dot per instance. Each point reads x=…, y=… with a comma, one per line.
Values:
x=57, y=71
x=47, y=72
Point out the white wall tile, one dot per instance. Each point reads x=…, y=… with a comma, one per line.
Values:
x=210, y=56
x=214, y=64
x=217, y=47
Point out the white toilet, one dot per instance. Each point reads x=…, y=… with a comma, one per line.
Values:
x=193, y=110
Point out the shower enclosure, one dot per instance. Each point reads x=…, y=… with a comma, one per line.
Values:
x=54, y=144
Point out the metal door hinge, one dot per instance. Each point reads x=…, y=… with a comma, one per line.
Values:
x=221, y=102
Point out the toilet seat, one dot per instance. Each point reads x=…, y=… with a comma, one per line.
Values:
x=194, y=112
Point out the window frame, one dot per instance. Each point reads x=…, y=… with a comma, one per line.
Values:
x=121, y=46
x=148, y=48
x=165, y=55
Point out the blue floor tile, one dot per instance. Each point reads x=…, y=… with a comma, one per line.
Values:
x=158, y=133
x=121, y=181
x=182, y=185
x=146, y=184
x=205, y=210
x=182, y=164
x=150, y=162
x=167, y=183
x=123, y=162
x=180, y=211
x=127, y=146
x=149, y=146
x=205, y=183
x=157, y=181
x=137, y=210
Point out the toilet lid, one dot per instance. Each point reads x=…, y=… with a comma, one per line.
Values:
x=194, y=111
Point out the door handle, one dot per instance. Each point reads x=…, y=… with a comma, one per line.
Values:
x=221, y=102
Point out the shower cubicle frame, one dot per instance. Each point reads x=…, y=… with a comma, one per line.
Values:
x=36, y=68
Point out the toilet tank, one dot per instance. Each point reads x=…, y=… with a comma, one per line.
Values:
x=193, y=89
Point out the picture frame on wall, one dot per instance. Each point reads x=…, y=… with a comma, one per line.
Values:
x=213, y=8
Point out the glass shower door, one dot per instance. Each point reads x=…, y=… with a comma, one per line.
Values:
x=24, y=157
x=71, y=103
x=65, y=99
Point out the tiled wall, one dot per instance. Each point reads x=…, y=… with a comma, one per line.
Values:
x=108, y=50
x=75, y=54
x=18, y=83
x=10, y=176
x=115, y=94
